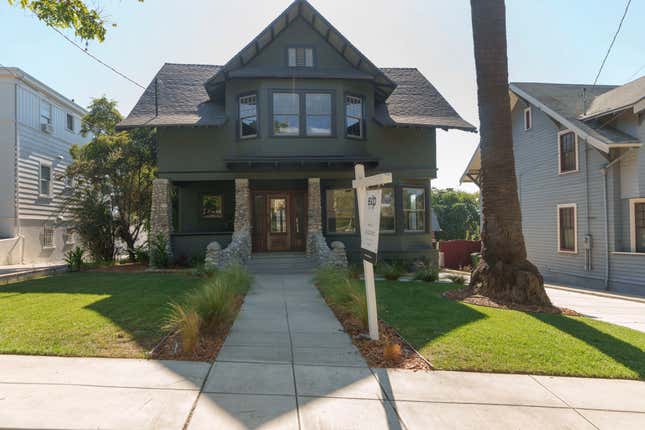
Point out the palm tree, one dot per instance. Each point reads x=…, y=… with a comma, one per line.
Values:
x=504, y=273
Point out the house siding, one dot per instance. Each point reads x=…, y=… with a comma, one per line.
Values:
x=7, y=160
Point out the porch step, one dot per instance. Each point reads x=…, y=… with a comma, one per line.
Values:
x=271, y=263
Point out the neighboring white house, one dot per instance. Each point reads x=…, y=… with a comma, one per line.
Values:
x=580, y=167
x=37, y=127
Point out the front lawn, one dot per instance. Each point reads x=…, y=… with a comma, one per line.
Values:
x=88, y=314
x=458, y=336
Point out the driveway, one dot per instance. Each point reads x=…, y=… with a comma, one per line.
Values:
x=287, y=365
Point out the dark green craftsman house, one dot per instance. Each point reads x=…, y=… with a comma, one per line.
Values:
x=258, y=154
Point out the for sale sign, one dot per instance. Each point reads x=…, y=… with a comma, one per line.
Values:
x=371, y=224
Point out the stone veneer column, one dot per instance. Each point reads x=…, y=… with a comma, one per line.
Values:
x=242, y=220
x=161, y=211
x=314, y=212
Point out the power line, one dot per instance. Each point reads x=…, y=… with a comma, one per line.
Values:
x=620, y=24
x=94, y=57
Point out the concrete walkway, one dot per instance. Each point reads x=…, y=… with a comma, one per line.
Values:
x=287, y=365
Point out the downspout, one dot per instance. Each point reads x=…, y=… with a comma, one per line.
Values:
x=604, y=171
x=588, y=249
x=16, y=191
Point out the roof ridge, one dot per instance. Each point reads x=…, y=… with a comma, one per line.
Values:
x=564, y=84
x=191, y=64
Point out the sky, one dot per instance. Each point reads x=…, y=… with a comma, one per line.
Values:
x=548, y=41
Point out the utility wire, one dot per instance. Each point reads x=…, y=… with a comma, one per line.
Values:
x=611, y=45
x=94, y=57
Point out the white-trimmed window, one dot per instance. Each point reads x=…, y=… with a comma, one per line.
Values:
x=45, y=179
x=354, y=117
x=300, y=57
x=69, y=122
x=414, y=209
x=248, y=116
x=568, y=228
x=45, y=112
x=528, y=118
x=567, y=152
x=48, y=237
x=637, y=224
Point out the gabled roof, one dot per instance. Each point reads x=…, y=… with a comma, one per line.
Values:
x=181, y=99
x=304, y=10
x=626, y=96
x=416, y=102
x=566, y=104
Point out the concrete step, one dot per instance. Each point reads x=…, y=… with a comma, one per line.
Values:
x=281, y=263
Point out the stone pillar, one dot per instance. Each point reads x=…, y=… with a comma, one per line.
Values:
x=314, y=213
x=161, y=211
x=242, y=206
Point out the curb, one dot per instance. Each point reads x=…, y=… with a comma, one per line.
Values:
x=25, y=275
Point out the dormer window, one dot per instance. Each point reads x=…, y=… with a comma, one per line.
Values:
x=300, y=57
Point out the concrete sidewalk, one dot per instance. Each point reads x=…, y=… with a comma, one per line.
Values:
x=287, y=364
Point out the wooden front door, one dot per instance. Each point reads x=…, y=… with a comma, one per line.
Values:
x=279, y=221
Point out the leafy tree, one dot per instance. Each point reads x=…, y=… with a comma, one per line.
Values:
x=116, y=168
x=504, y=272
x=86, y=21
x=457, y=212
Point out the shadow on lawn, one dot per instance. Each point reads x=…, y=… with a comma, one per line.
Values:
x=137, y=303
x=625, y=353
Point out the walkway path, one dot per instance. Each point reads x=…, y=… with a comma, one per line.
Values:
x=287, y=365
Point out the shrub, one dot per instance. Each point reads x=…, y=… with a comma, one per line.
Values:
x=74, y=259
x=159, y=251
x=237, y=278
x=355, y=270
x=457, y=279
x=142, y=254
x=213, y=302
x=187, y=323
x=203, y=271
x=426, y=274
x=357, y=305
x=391, y=271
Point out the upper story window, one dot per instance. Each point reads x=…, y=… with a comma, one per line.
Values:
x=248, y=116
x=528, y=118
x=45, y=112
x=353, y=116
x=69, y=123
x=45, y=179
x=300, y=57
x=567, y=228
x=302, y=113
x=568, y=151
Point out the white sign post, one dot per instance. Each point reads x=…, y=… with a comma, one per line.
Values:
x=369, y=216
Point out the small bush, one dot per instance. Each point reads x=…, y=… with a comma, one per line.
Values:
x=74, y=259
x=237, y=278
x=390, y=271
x=355, y=270
x=426, y=274
x=213, y=302
x=187, y=323
x=159, y=252
x=457, y=279
x=203, y=271
x=142, y=254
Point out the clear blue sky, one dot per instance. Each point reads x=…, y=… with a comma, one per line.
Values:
x=549, y=41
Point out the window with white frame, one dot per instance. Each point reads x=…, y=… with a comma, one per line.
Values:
x=354, y=116
x=637, y=221
x=45, y=179
x=567, y=228
x=45, y=112
x=567, y=151
x=48, y=237
x=414, y=209
x=300, y=57
x=69, y=122
x=248, y=116
x=528, y=118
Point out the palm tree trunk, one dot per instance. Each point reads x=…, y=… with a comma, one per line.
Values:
x=504, y=273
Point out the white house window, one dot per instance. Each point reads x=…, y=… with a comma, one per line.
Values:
x=69, y=123
x=300, y=57
x=45, y=112
x=69, y=237
x=354, y=116
x=286, y=114
x=568, y=151
x=318, y=108
x=341, y=211
x=528, y=118
x=637, y=221
x=248, y=116
x=414, y=209
x=388, y=224
x=45, y=179
x=567, y=228
x=48, y=237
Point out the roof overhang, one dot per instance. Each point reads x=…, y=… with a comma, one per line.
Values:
x=299, y=162
x=473, y=168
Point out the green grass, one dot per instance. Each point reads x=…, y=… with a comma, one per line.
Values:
x=458, y=336
x=89, y=314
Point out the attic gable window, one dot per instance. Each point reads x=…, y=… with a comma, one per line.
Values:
x=300, y=57
x=528, y=118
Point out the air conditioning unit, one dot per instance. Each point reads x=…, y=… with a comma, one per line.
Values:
x=47, y=128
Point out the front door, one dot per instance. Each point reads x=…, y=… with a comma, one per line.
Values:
x=279, y=221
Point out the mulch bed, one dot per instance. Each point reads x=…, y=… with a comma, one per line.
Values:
x=169, y=348
x=467, y=295
x=374, y=351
